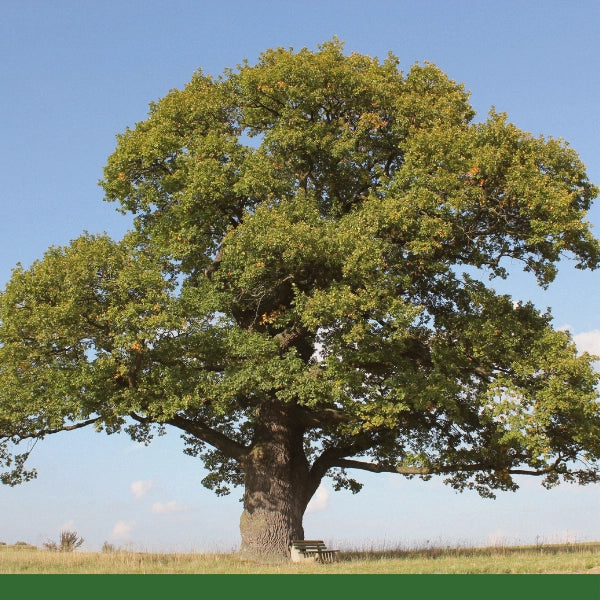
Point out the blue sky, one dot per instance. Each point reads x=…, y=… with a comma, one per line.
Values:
x=75, y=73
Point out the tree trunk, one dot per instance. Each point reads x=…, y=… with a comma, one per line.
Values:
x=277, y=484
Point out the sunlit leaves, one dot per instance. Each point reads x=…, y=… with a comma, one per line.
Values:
x=302, y=226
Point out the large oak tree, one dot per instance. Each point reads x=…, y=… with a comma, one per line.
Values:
x=307, y=292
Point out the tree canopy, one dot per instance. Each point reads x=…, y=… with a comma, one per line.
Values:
x=308, y=291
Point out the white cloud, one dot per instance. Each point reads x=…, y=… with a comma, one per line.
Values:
x=166, y=508
x=320, y=501
x=140, y=488
x=122, y=529
x=589, y=341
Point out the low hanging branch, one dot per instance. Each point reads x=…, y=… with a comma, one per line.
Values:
x=442, y=469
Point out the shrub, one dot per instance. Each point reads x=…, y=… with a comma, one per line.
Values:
x=69, y=541
x=108, y=548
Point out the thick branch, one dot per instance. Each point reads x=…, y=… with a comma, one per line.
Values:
x=331, y=457
x=215, y=263
x=45, y=432
x=220, y=441
x=445, y=469
x=289, y=337
x=315, y=418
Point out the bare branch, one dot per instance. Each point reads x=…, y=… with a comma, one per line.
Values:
x=72, y=427
x=200, y=430
x=444, y=469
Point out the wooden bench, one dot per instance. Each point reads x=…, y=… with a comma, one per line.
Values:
x=313, y=550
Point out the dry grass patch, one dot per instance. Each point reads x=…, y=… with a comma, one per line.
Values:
x=565, y=558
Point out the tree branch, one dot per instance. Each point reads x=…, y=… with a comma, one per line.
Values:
x=313, y=418
x=73, y=427
x=220, y=441
x=208, y=272
x=445, y=469
x=331, y=457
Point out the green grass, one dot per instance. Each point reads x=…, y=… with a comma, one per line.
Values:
x=563, y=558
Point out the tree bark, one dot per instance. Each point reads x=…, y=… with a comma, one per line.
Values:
x=277, y=484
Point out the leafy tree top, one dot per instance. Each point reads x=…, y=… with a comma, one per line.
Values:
x=314, y=231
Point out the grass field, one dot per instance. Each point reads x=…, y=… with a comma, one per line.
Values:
x=564, y=558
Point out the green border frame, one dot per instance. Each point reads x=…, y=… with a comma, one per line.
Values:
x=289, y=587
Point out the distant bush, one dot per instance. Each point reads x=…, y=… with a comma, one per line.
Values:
x=69, y=541
x=17, y=546
x=108, y=548
x=51, y=545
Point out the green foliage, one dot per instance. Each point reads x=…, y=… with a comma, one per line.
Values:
x=316, y=229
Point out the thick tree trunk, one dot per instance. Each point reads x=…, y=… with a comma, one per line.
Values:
x=277, y=485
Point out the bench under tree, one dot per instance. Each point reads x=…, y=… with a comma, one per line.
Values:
x=314, y=550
